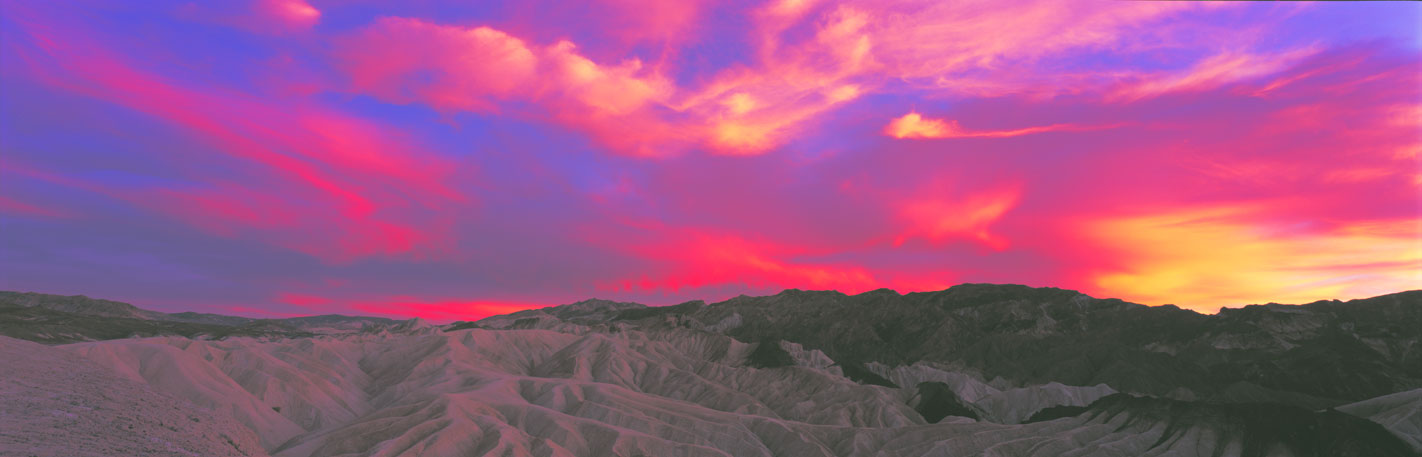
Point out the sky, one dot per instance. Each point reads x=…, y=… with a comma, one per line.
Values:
x=452, y=160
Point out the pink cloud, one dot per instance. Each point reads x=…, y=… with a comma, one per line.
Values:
x=449, y=68
x=303, y=300
x=855, y=49
x=263, y=313
x=1212, y=72
x=458, y=68
x=453, y=68
x=617, y=26
x=12, y=206
x=401, y=306
x=334, y=186
x=268, y=17
x=651, y=20
x=1197, y=145
x=938, y=219
x=694, y=259
x=440, y=311
x=293, y=13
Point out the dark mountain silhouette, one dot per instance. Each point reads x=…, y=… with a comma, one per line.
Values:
x=1314, y=355
x=55, y=319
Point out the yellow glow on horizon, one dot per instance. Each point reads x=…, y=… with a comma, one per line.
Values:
x=1204, y=259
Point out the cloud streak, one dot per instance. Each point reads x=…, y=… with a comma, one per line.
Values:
x=915, y=126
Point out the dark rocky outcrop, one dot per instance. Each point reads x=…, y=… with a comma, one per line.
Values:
x=936, y=400
x=1261, y=428
x=769, y=354
x=1056, y=412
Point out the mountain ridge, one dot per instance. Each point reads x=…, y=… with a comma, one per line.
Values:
x=83, y=304
x=1353, y=350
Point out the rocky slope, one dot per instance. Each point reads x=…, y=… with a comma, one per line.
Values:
x=627, y=393
x=55, y=403
x=1400, y=413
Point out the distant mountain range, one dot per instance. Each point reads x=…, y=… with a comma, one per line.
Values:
x=55, y=319
x=977, y=369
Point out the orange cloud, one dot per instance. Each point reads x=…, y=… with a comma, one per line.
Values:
x=914, y=125
x=606, y=90
x=1207, y=257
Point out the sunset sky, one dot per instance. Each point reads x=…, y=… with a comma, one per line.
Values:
x=455, y=159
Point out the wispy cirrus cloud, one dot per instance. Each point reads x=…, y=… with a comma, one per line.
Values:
x=333, y=185
x=853, y=49
x=13, y=206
